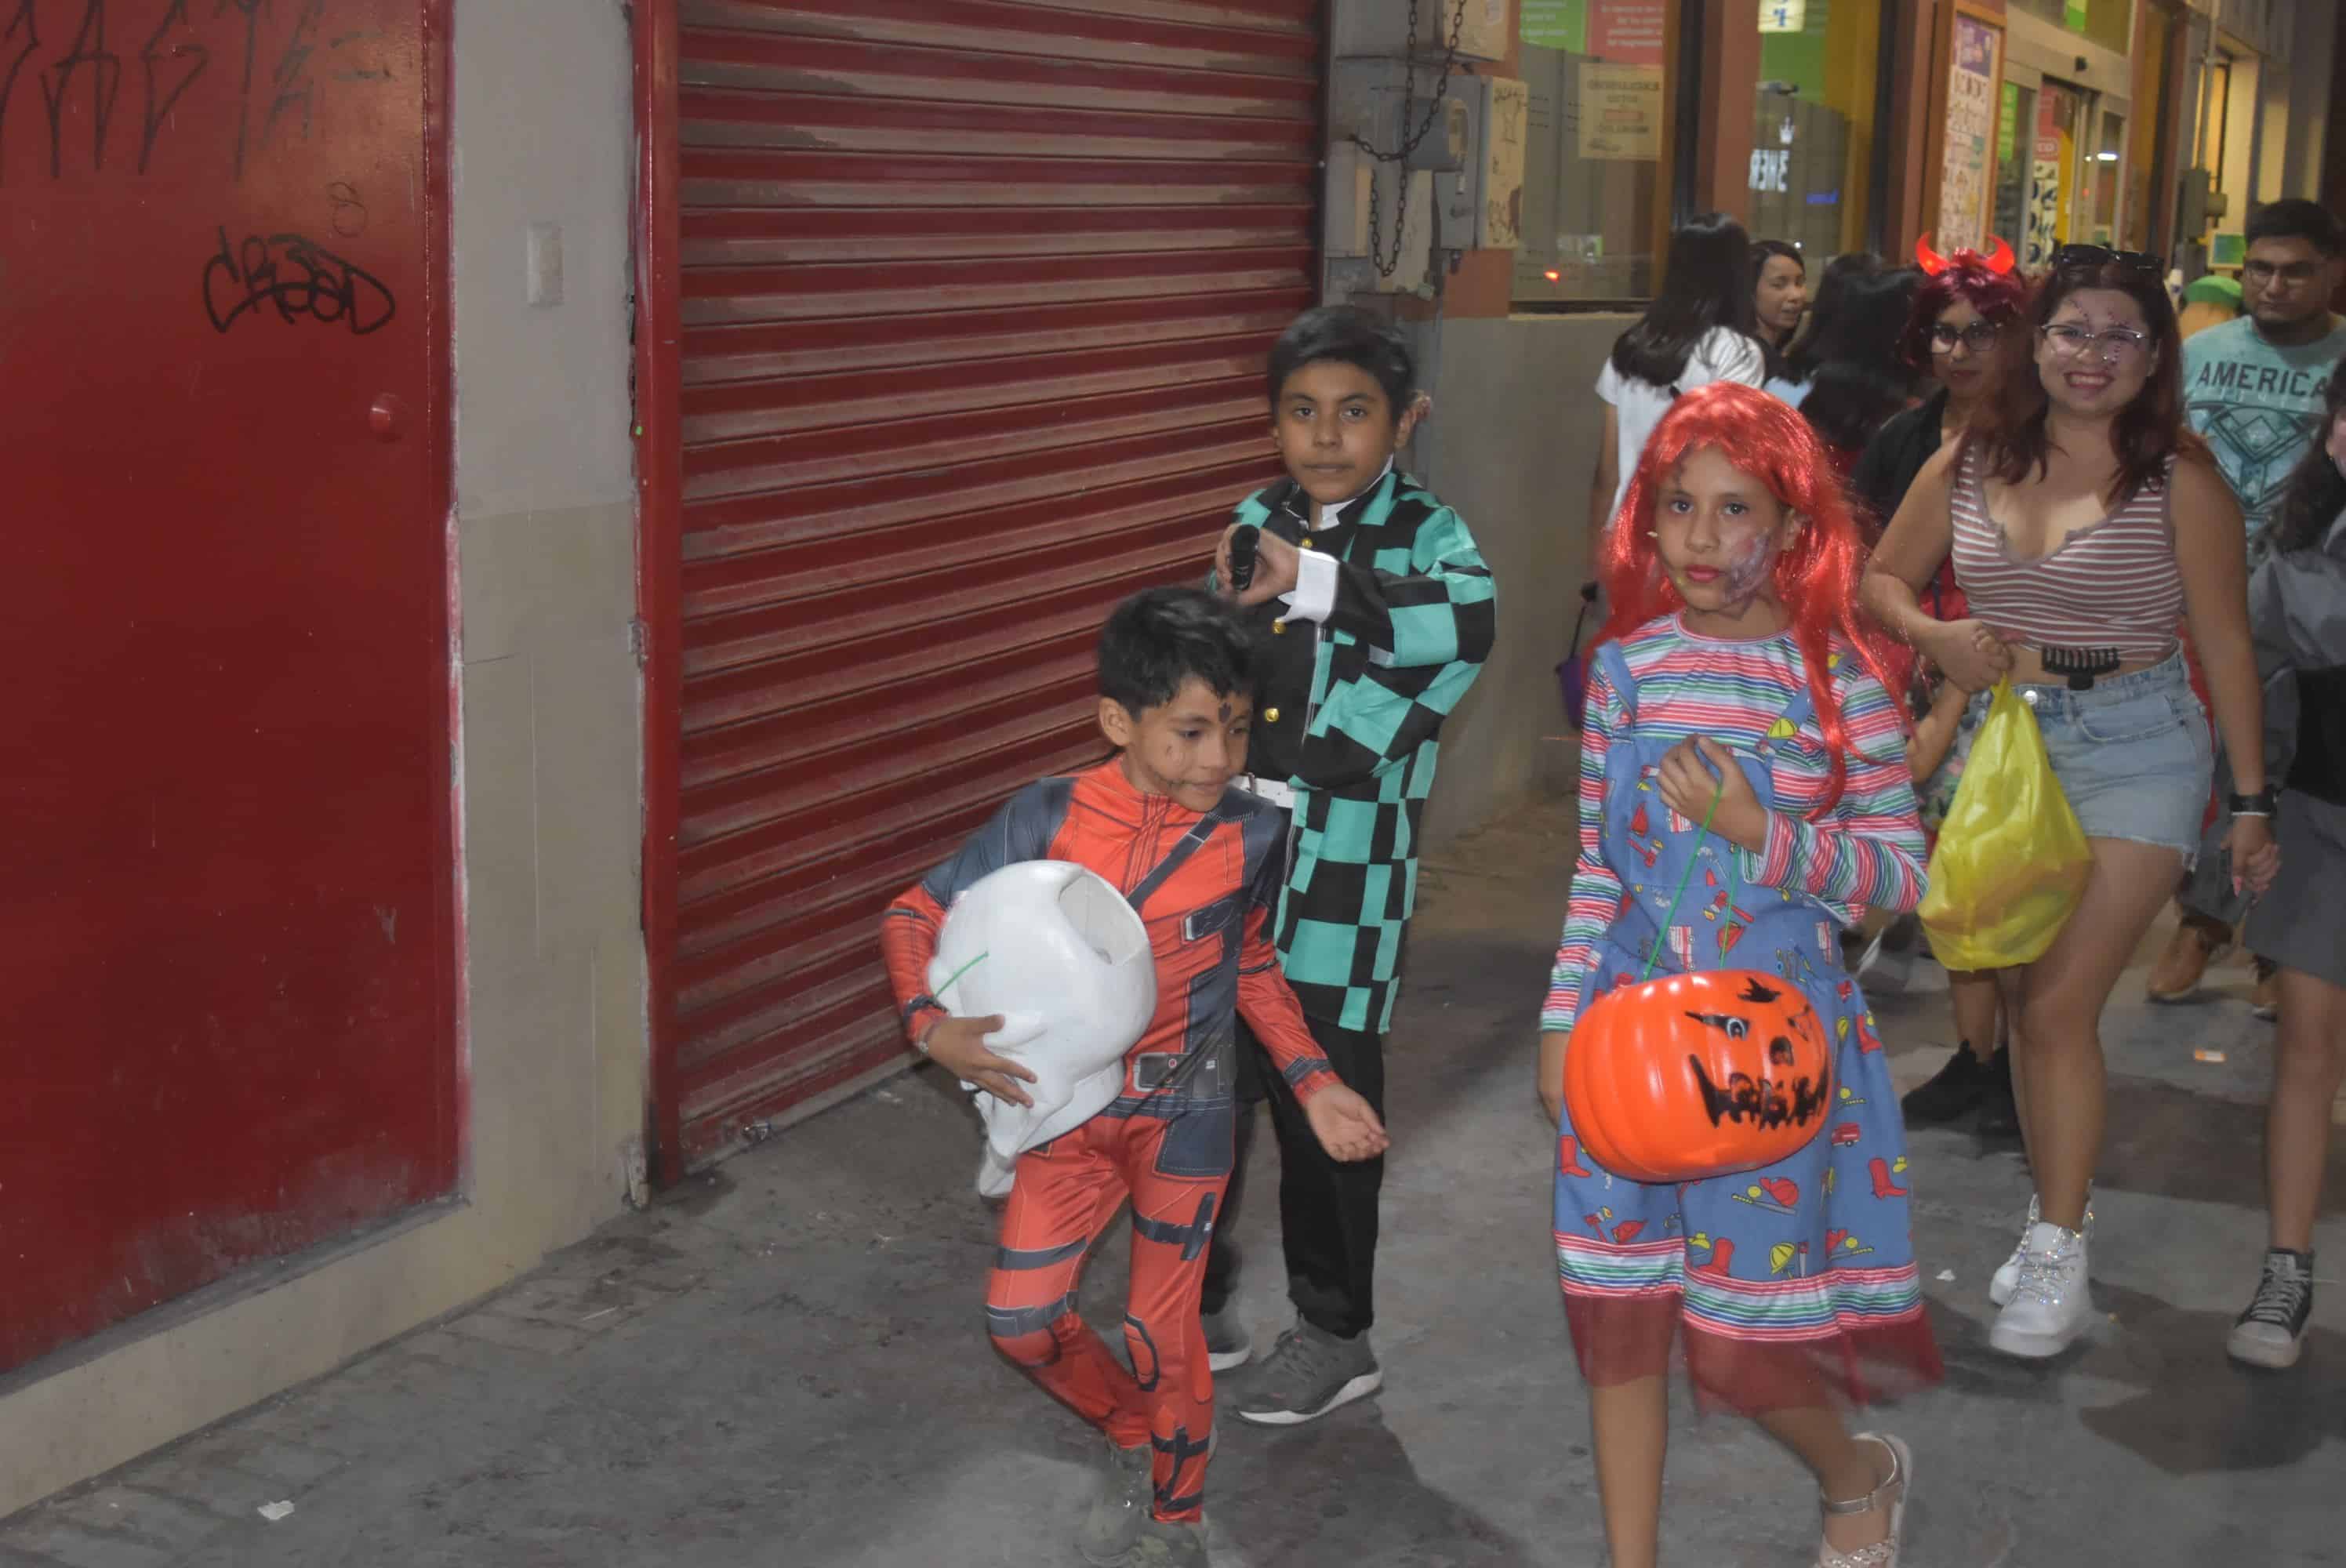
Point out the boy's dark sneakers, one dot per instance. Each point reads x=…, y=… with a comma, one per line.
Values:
x=1164, y=1544
x=1307, y=1374
x=1956, y=1090
x=1999, y=1113
x=1125, y=1490
x=2272, y=1332
x=1228, y=1343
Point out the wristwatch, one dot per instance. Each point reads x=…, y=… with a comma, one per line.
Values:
x=2260, y=804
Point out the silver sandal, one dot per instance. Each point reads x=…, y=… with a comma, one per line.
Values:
x=1882, y=1553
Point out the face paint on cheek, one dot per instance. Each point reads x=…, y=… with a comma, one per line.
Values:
x=1748, y=570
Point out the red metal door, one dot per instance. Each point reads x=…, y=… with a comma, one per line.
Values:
x=226, y=922
x=957, y=313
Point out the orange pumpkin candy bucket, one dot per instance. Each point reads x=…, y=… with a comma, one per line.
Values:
x=1698, y=1076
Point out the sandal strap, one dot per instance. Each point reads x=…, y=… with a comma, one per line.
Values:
x=1871, y=1500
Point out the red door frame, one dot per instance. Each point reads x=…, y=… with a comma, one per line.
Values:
x=659, y=562
x=439, y=429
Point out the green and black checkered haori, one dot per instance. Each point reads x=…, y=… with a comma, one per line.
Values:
x=1414, y=620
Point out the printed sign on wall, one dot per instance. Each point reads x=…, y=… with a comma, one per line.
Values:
x=1620, y=111
x=1971, y=126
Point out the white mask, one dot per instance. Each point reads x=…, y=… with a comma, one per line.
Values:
x=1060, y=954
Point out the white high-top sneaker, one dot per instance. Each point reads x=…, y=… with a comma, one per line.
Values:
x=2000, y=1287
x=2050, y=1304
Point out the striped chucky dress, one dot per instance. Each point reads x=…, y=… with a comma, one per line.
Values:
x=1796, y=1283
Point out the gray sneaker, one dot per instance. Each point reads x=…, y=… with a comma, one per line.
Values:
x=1228, y=1343
x=1168, y=1545
x=1307, y=1374
x=1127, y=1489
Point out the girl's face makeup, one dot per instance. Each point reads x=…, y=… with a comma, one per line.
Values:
x=2096, y=353
x=1718, y=532
x=2335, y=445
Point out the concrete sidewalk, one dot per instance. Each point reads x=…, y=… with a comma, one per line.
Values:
x=784, y=1362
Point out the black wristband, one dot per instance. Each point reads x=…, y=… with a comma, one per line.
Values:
x=2260, y=804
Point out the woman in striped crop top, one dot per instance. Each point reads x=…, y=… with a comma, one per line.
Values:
x=2085, y=524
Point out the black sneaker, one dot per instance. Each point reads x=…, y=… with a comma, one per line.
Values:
x=2272, y=1332
x=1163, y=1544
x=1127, y=1488
x=1307, y=1374
x=1999, y=1114
x=1955, y=1092
x=1228, y=1343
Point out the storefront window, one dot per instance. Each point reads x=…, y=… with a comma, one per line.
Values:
x=2101, y=182
x=1812, y=131
x=2016, y=153
x=2052, y=214
x=2109, y=23
x=1596, y=195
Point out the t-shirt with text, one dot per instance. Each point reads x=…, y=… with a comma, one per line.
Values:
x=2259, y=406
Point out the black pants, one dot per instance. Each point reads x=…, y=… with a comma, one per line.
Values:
x=1327, y=1210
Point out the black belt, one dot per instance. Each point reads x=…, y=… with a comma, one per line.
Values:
x=1199, y=1075
x=2080, y=666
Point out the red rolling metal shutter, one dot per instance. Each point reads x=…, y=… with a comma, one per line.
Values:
x=974, y=301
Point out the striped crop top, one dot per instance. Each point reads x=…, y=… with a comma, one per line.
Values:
x=2112, y=584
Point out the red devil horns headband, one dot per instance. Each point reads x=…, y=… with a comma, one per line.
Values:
x=1999, y=260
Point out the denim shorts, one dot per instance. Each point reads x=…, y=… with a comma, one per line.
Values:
x=2133, y=752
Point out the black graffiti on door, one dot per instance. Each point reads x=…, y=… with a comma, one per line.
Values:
x=299, y=280
x=281, y=54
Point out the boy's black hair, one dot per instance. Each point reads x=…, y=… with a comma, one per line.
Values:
x=1352, y=336
x=1157, y=639
x=2294, y=217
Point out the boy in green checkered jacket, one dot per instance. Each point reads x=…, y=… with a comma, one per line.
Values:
x=1372, y=613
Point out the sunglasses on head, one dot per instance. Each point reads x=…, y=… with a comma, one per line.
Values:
x=2102, y=256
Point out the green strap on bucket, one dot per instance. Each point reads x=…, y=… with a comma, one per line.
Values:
x=1662, y=937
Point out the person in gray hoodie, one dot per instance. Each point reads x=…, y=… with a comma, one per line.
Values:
x=2297, y=608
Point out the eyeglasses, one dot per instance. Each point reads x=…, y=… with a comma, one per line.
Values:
x=2118, y=344
x=1979, y=337
x=2102, y=256
x=2263, y=273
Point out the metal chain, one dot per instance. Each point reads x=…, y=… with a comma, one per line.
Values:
x=1411, y=141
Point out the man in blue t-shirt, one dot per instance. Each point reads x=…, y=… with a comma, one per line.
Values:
x=2253, y=387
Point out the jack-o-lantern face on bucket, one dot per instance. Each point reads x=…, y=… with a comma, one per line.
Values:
x=1696, y=1075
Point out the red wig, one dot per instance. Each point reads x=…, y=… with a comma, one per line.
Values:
x=1816, y=578
x=1998, y=296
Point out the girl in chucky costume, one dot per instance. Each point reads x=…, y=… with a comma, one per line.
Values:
x=1735, y=667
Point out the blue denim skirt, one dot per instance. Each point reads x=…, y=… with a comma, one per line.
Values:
x=2133, y=752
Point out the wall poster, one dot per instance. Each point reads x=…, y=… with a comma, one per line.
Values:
x=1964, y=183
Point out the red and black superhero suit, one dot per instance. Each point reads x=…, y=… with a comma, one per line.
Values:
x=1205, y=886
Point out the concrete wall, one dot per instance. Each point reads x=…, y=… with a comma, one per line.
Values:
x=550, y=777
x=1511, y=444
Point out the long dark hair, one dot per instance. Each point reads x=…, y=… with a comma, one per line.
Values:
x=2148, y=433
x=1705, y=285
x=1861, y=378
x=2316, y=492
x=1827, y=304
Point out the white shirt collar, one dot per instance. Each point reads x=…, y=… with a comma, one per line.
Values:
x=1332, y=515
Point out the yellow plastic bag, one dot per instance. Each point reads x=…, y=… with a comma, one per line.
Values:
x=2012, y=862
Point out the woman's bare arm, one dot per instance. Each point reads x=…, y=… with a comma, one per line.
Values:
x=1601, y=485
x=1912, y=549
x=2212, y=551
